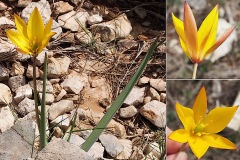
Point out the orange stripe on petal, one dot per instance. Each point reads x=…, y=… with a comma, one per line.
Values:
x=190, y=30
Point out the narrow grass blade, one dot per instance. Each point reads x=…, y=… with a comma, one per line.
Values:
x=43, y=139
x=118, y=102
x=69, y=131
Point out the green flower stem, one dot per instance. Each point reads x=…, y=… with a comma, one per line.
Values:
x=35, y=91
x=195, y=70
x=43, y=139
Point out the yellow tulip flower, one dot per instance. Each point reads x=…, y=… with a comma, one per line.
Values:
x=198, y=44
x=200, y=129
x=33, y=37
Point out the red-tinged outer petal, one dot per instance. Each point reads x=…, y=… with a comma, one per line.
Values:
x=207, y=32
x=198, y=145
x=217, y=141
x=219, y=41
x=179, y=135
x=200, y=105
x=190, y=30
x=218, y=118
x=35, y=27
x=186, y=116
x=45, y=41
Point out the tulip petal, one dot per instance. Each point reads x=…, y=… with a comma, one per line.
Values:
x=199, y=146
x=45, y=41
x=179, y=135
x=18, y=40
x=217, y=141
x=21, y=26
x=218, y=118
x=184, y=47
x=178, y=24
x=35, y=27
x=48, y=27
x=186, y=116
x=219, y=41
x=23, y=51
x=208, y=31
x=200, y=105
x=190, y=30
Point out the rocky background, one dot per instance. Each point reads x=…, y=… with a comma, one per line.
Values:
x=97, y=48
x=223, y=63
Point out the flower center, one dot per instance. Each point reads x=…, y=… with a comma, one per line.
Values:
x=199, y=128
x=34, y=45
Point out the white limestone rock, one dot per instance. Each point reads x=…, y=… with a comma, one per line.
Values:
x=58, y=67
x=158, y=84
x=155, y=112
x=25, y=106
x=5, y=20
x=95, y=18
x=61, y=121
x=73, y=84
x=69, y=20
x=43, y=7
x=49, y=87
x=135, y=97
x=4, y=73
x=17, y=69
x=6, y=118
x=127, y=149
x=60, y=108
x=29, y=73
x=49, y=98
x=119, y=27
x=61, y=149
x=22, y=92
x=143, y=80
x=111, y=144
x=62, y=7
x=5, y=94
x=128, y=112
x=16, y=82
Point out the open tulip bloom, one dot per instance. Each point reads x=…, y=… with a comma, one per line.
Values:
x=200, y=128
x=198, y=44
x=33, y=37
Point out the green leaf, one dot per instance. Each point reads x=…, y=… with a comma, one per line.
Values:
x=120, y=99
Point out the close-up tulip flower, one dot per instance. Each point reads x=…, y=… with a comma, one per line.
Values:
x=200, y=129
x=199, y=43
x=33, y=37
